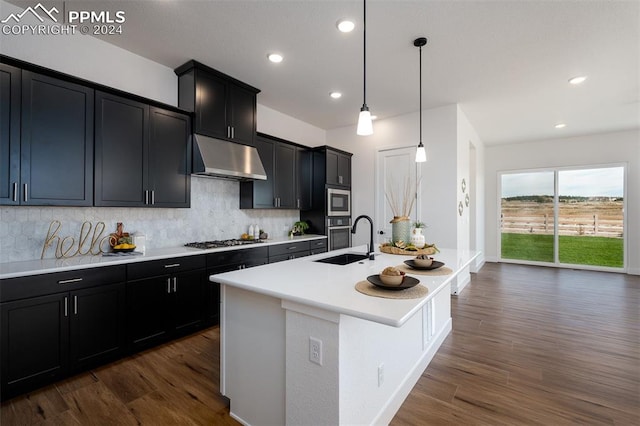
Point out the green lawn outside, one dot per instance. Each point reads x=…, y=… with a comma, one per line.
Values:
x=597, y=251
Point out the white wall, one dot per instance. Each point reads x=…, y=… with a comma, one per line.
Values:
x=275, y=123
x=440, y=183
x=608, y=148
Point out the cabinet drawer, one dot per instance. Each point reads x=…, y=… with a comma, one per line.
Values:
x=288, y=248
x=39, y=285
x=156, y=268
x=252, y=255
x=318, y=245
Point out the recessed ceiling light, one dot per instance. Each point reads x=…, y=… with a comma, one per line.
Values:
x=275, y=57
x=560, y=126
x=335, y=95
x=577, y=80
x=345, y=25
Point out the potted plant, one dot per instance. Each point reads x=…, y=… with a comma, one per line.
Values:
x=299, y=228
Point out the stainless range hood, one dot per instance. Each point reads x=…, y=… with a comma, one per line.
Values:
x=227, y=160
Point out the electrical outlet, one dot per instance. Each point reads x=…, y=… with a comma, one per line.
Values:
x=315, y=350
x=380, y=375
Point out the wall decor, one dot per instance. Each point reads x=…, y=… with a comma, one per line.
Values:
x=463, y=185
x=460, y=208
x=65, y=246
x=466, y=200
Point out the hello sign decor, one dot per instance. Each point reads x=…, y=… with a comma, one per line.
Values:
x=88, y=242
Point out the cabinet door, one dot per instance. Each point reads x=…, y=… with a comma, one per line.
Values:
x=122, y=144
x=35, y=342
x=56, y=142
x=344, y=170
x=285, y=176
x=211, y=106
x=332, y=167
x=169, y=158
x=97, y=325
x=9, y=134
x=147, y=308
x=188, y=306
x=304, y=172
x=242, y=105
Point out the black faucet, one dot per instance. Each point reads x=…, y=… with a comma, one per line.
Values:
x=353, y=231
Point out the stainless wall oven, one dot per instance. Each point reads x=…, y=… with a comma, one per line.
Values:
x=339, y=232
x=338, y=202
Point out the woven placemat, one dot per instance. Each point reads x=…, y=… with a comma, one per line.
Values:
x=365, y=287
x=443, y=270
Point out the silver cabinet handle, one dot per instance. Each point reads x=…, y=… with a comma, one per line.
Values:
x=75, y=305
x=153, y=196
x=168, y=285
x=292, y=248
x=25, y=188
x=175, y=284
x=66, y=306
x=146, y=196
x=233, y=132
x=69, y=281
x=229, y=131
x=172, y=265
x=15, y=192
x=298, y=203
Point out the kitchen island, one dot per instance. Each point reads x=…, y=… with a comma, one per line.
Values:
x=300, y=345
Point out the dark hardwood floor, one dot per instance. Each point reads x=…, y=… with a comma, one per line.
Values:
x=530, y=345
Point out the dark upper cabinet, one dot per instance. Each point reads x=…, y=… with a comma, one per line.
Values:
x=10, y=88
x=338, y=168
x=169, y=158
x=122, y=151
x=143, y=154
x=224, y=107
x=304, y=171
x=282, y=187
x=56, y=148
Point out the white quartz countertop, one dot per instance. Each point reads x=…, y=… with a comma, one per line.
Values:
x=332, y=287
x=44, y=266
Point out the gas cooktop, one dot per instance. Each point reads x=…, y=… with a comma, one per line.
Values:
x=220, y=243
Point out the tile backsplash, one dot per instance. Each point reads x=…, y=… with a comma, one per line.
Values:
x=214, y=215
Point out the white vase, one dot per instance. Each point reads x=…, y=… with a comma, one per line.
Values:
x=417, y=239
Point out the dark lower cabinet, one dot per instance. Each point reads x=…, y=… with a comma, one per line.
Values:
x=35, y=343
x=46, y=337
x=97, y=325
x=165, y=299
x=227, y=261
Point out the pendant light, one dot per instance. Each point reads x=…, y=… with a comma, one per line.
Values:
x=365, y=127
x=421, y=152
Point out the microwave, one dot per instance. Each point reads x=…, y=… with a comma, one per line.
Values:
x=338, y=202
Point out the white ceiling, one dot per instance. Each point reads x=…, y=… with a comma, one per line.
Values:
x=505, y=62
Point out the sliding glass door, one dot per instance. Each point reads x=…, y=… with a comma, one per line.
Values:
x=563, y=216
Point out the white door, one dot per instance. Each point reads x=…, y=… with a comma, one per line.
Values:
x=397, y=178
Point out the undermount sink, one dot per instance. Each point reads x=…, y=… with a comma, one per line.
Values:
x=343, y=259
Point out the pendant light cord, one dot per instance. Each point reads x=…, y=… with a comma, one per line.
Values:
x=364, y=55
x=421, y=95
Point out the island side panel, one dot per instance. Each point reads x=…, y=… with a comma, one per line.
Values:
x=253, y=356
x=312, y=389
x=379, y=364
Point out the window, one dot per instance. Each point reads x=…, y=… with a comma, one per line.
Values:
x=563, y=217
